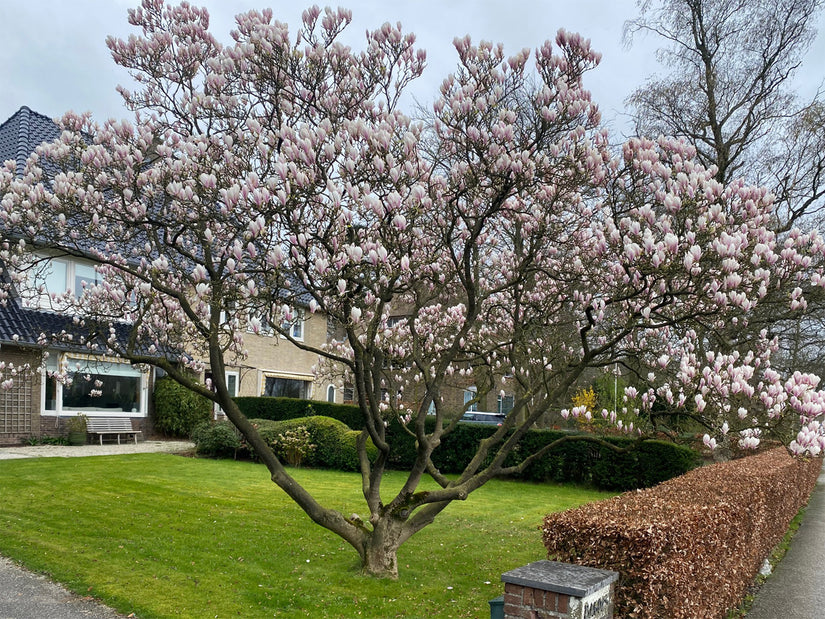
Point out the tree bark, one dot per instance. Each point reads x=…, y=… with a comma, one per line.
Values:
x=380, y=554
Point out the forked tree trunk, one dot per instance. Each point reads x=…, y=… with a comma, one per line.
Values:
x=380, y=553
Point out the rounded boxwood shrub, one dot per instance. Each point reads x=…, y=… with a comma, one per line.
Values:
x=217, y=440
x=335, y=444
x=178, y=409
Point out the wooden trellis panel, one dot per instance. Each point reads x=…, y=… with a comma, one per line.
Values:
x=16, y=405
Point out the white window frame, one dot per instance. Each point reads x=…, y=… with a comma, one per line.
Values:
x=500, y=402
x=266, y=326
x=217, y=411
x=469, y=394
x=297, y=326
x=331, y=392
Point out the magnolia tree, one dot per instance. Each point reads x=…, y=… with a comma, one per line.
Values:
x=496, y=241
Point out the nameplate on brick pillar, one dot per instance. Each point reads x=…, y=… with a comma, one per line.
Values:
x=553, y=590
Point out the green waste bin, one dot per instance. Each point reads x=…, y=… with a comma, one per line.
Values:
x=497, y=608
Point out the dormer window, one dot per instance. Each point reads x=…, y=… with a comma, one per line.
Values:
x=48, y=278
x=55, y=276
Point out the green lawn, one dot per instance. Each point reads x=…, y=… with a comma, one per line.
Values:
x=164, y=536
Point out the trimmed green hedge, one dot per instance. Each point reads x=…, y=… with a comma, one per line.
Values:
x=279, y=409
x=652, y=463
x=178, y=410
x=579, y=462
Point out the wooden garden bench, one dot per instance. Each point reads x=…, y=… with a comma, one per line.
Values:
x=111, y=425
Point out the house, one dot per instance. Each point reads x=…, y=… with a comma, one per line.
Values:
x=33, y=403
x=459, y=392
x=36, y=404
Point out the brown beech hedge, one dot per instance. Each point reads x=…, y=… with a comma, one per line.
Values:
x=689, y=547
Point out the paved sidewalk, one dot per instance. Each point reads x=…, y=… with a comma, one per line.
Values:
x=25, y=595
x=795, y=590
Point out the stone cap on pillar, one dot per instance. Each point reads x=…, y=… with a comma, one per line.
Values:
x=564, y=578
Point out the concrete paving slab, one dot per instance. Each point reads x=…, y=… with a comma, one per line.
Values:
x=107, y=449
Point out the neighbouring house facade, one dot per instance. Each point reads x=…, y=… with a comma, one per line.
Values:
x=276, y=367
x=459, y=393
x=35, y=403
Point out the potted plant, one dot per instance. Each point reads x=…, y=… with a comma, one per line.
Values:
x=77, y=429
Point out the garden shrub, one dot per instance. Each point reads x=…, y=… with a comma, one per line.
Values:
x=216, y=440
x=660, y=461
x=690, y=546
x=650, y=463
x=279, y=409
x=459, y=447
x=569, y=462
x=178, y=409
x=293, y=445
x=335, y=444
x=616, y=471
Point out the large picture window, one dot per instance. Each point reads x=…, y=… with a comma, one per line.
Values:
x=102, y=392
x=94, y=385
x=277, y=387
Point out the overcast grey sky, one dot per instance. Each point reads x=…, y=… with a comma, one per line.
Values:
x=53, y=56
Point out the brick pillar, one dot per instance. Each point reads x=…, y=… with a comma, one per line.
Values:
x=552, y=590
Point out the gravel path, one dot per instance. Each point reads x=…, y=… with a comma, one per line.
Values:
x=26, y=595
x=62, y=451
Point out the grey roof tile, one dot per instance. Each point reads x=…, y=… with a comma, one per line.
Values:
x=24, y=131
x=20, y=135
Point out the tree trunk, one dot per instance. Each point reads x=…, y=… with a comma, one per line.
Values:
x=380, y=552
